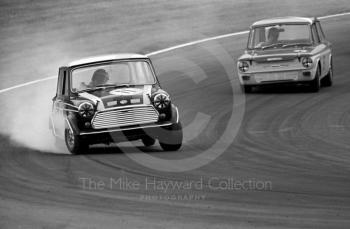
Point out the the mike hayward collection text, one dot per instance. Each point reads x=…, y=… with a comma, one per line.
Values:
x=163, y=185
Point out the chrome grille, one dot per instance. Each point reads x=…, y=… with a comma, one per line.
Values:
x=273, y=66
x=125, y=117
x=276, y=76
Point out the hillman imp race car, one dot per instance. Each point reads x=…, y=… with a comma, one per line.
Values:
x=286, y=50
x=111, y=99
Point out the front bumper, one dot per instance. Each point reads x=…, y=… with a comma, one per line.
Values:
x=123, y=134
x=118, y=134
x=277, y=77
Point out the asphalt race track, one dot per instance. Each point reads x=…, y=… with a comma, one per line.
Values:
x=294, y=142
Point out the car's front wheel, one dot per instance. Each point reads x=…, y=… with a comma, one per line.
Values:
x=173, y=139
x=248, y=88
x=315, y=84
x=74, y=143
x=60, y=145
x=148, y=141
x=327, y=81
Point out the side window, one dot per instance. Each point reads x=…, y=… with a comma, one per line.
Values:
x=251, y=38
x=59, y=83
x=64, y=84
x=320, y=31
x=314, y=34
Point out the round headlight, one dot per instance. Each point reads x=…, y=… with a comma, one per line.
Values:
x=86, y=110
x=243, y=66
x=307, y=62
x=161, y=101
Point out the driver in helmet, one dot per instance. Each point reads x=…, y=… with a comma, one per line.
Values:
x=99, y=77
x=273, y=35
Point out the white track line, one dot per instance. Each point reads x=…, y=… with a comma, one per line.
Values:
x=196, y=42
x=28, y=83
x=165, y=50
x=334, y=15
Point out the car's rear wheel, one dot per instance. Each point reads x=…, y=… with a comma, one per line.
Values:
x=148, y=141
x=315, y=84
x=173, y=140
x=74, y=143
x=327, y=81
x=248, y=88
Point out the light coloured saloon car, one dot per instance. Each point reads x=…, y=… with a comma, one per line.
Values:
x=286, y=50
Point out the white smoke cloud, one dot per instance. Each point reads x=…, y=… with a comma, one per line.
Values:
x=27, y=112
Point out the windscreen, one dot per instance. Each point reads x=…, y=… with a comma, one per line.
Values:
x=114, y=73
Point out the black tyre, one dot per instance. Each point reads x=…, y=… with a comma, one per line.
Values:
x=148, y=141
x=327, y=81
x=315, y=84
x=173, y=140
x=248, y=89
x=74, y=143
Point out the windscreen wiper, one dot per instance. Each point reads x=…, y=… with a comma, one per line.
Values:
x=90, y=89
x=271, y=46
x=104, y=86
x=122, y=85
x=296, y=44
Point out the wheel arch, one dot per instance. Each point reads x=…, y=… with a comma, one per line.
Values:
x=175, y=117
x=318, y=67
x=71, y=123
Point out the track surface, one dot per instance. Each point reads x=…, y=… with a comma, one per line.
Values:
x=296, y=140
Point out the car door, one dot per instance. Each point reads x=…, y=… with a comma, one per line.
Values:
x=58, y=115
x=321, y=50
x=328, y=48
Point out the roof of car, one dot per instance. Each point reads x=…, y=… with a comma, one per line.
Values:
x=119, y=56
x=279, y=20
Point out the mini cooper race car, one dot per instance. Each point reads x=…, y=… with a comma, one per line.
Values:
x=113, y=98
x=286, y=50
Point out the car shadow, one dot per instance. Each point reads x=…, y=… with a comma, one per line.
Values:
x=11, y=147
x=115, y=149
x=280, y=89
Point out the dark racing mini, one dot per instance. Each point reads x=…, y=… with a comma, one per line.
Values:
x=113, y=98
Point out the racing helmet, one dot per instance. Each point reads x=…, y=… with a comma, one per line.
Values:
x=273, y=34
x=100, y=76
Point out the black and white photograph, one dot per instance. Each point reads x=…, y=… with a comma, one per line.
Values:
x=218, y=114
